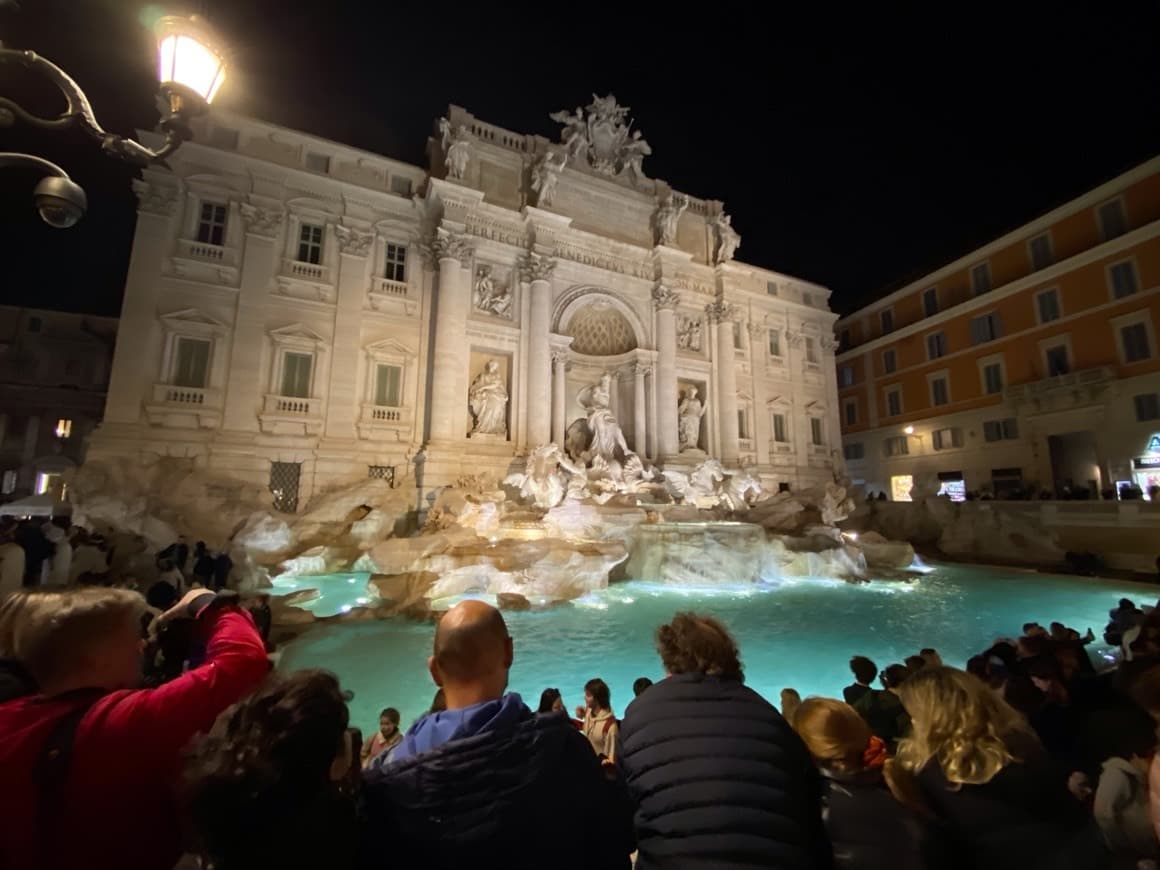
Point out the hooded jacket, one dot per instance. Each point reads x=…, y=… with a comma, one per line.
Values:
x=493, y=785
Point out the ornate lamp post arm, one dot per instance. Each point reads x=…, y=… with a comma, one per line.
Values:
x=79, y=113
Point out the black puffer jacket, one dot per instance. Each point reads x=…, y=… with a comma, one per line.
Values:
x=871, y=830
x=719, y=780
x=528, y=796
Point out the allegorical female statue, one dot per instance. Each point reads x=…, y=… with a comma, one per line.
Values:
x=689, y=414
x=488, y=398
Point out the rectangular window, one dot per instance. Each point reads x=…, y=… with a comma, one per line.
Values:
x=316, y=162
x=1047, y=305
x=851, y=408
x=742, y=423
x=771, y=288
x=889, y=360
x=388, y=385
x=887, y=318
x=63, y=428
x=816, y=431
x=284, y=485
x=1001, y=430
x=395, y=263
x=940, y=393
x=310, y=244
x=737, y=345
x=780, y=433
x=1123, y=278
x=400, y=185
x=1147, y=406
x=1040, y=248
x=811, y=351
x=296, y=369
x=898, y=445
x=1135, y=338
x=191, y=362
x=846, y=376
x=894, y=402
x=993, y=378
x=855, y=450
x=1057, y=362
x=936, y=345
x=981, y=278
x=930, y=301
x=211, y=226
x=774, y=343
x=986, y=327
x=1113, y=222
x=945, y=439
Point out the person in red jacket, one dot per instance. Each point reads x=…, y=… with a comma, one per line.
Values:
x=89, y=767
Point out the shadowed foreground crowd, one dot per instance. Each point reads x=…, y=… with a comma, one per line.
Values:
x=1027, y=759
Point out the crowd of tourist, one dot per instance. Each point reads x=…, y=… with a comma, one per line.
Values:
x=1026, y=758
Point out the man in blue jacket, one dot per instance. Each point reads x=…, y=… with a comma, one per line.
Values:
x=486, y=782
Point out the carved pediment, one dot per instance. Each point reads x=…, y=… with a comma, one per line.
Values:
x=298, y=334
x=193, y=321
x=389, y=347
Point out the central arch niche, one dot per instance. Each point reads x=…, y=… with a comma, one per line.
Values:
x=600, y=329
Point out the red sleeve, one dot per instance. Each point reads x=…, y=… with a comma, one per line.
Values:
x=164, y=719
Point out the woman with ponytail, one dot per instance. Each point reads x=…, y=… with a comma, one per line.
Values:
x=870, y=821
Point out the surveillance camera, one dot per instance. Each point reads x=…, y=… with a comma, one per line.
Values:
x=60, y=201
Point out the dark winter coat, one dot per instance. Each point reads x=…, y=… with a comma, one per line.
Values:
x=1023, y=819
x=526, y=795
x=719, y=780
x=869, y=828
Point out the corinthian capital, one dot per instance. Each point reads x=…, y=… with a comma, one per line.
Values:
x=664, y=298
x=264, y=222
x=537, y=267
x=353, y=241
x=447, y=246
x=721, y=312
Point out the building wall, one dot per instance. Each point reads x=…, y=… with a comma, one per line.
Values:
x=54, y=369
x=255, y=300
x=1096, y=395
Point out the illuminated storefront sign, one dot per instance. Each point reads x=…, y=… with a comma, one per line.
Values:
x=900, y=486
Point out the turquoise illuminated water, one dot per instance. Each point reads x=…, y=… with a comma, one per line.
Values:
x=800, y=633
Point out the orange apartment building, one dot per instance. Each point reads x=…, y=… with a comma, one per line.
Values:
x=1031, y=362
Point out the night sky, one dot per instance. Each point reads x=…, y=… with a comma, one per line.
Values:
x=855, y=151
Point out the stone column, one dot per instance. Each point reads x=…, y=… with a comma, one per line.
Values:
x=559, y=397
x=666, y=301
x=537, y=271
x=639, y=415
x=758, y=348
x=343, y=405
x=450, y=348
x=725, y=364
x=137, y=354
x=246, y=378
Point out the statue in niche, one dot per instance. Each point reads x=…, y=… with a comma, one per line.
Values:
x=668, y=215
x=489, y=296
x=488, y=398
x=597, y=443
x=728, y=239
x=689, y=334
x=689, y=414
x=545, y=175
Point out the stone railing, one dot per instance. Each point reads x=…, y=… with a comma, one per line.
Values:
x=293, y=406
x=313, y=272
x=291, y=415
x=374, y=419
x=1083, y=378
x=500, y=136
x=217, y=254
x=175, y=395
x=387, y=287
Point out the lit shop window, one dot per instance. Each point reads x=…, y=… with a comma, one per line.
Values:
x=900, y=486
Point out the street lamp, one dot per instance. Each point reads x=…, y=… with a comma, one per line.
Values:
x=190, y=72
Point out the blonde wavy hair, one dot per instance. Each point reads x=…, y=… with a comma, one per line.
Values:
x=960, y=722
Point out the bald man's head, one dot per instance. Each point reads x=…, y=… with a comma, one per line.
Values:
x=473, y=653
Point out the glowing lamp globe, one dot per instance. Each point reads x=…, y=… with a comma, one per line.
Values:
x=190, y=66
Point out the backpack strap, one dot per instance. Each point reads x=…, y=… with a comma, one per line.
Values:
x=608, y=723
x=50, y=773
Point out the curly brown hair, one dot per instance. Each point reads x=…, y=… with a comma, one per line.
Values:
x=693, y=643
